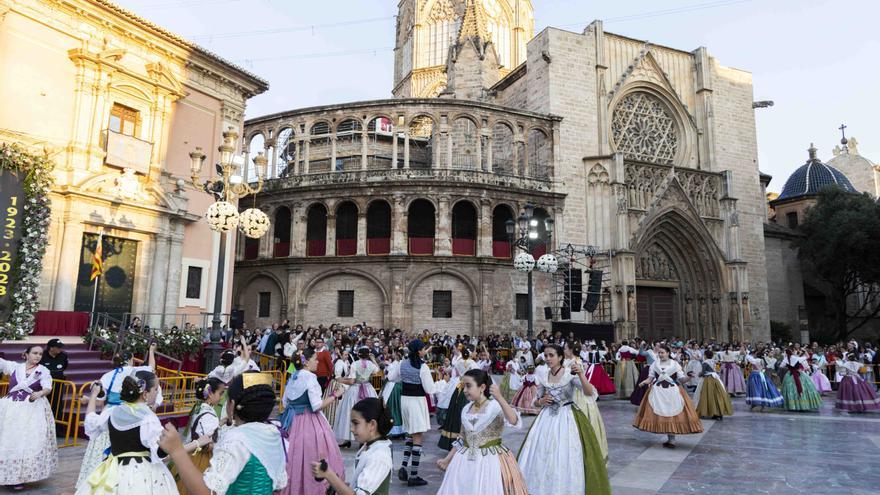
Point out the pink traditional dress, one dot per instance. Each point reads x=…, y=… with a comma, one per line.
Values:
x=28, y=450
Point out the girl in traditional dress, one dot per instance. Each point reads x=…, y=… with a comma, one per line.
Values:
x=711, y=399
x=28, y=450
x=596, y=373
x=560, y=453
x=451, y=426
x=203, y=426
x=417, y=384
x=341, y=367
x=359, y=379
x=370, y=424
x=731, y=374
x=648, y=356
x=854, y=394
x=249, y=458
x=666, y=408
x=111, y=386
x=797, y=388
x=817, y=374
x=391, y=394
x=761, y=390
x=480, y=463
x=135, y=465
x=510, y=369
x=310, y=436
x=524, y=399
x=625, y=373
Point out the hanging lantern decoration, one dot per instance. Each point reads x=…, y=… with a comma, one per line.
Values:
x=253, y=223
x=524, y=262
x=222, y=216
x=547, y=263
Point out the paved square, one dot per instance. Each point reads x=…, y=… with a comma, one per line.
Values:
x=777, y=453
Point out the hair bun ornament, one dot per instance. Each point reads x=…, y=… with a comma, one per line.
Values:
x=142, y=385
x=206, y=391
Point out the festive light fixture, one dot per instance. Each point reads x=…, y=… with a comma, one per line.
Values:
x=253, y=223
x=547, y=263
x=524, y=262
x=222, y=216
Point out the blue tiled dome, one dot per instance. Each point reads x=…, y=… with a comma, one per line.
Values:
x=811, y=177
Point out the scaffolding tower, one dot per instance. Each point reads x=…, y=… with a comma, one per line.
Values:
x=585, y=258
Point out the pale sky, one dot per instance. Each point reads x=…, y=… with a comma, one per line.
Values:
x=816, y=59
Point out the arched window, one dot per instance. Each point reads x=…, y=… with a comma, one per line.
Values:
x=421, y=142
x=319, y=147
x=539, y=155
x=282, y=232
x=379, y=228
x=500, y=239
x=540, y=242
x=420, y=227
x=256, y=145
x=286, y=152
x=464, y=229
x=251, y=248
x=502, y=149
x=348, y=145
x=316, y=230
x=380, y=136
x=464, y=144
x=346, y=229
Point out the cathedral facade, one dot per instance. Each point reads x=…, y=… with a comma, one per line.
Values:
x=393, y=212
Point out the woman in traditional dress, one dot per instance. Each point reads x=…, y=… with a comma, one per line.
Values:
x=854, y=394
x=817, y=374
x=370, y=424
x=391, y=394
x=625, y=373
x=360, y=387
x=417, y=384
x=248, y=459
x=761, y=390
x=731, y=373
x=341, y=367
x=666, y=408
x=510, y=369
x=451, y=426
x=111, y=386
x=710, y=398
x=135, y=464
x=595, y=371
x=797, y=388
x=28, y=449
x=524, y=400
x=560, y=453
x=648, y=356
x=203, y=427
x=309, y=434
x=480, y=463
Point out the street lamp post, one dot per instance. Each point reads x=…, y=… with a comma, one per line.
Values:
x=527, y=226
x=223, y=217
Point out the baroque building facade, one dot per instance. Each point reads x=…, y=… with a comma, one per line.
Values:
x=119, y=103
x=392, y=212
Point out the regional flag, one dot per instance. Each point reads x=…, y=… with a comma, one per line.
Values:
x=97, y=262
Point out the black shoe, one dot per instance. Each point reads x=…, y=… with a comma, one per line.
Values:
x=402, y=475
x=416, y=481
x=669, y=445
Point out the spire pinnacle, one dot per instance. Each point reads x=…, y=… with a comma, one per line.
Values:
x=473, y=23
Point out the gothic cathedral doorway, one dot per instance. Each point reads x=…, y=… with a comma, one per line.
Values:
x=656, y=312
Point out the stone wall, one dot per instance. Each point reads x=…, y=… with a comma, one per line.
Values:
x=785, y=286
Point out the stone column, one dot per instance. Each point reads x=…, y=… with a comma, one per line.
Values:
x=71, y=248
x=267, y=241
x=175, y=265
x=333, y=153
x=293, y=313
x=393, y=147
x=306, y=158
x=487, y=281
x=489, y=156
x=443, y=234
x=362, y=234
x=161, y=271
x=298, y=232
x=398, y=226
x=293, y=223
x=331, y=235
x=406, y=151
x=398, y=295
x=364, y=148
x=484, y=232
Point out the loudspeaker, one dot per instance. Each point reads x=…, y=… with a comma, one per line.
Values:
x=236, y=318
x=565, y=313
x=593, y=291
x=548, y=313
x=573, y=288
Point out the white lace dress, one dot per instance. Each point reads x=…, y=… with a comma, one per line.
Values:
x=361, y=371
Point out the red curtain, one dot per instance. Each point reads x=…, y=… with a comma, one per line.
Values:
x=251, y=251
x=282, y=249
x=316, y=248
x=378, y=246
x=421, y=245
x=500, y=249
x=464, y=247
x=346, y=247
x=73, y=323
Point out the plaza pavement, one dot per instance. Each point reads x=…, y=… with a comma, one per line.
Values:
x=777, y=453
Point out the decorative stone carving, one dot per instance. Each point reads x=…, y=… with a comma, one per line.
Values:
x=643, y=129
x=443, y=10
x=598, y=175
x=644, y=182
x=654, y=264
x=631, y=308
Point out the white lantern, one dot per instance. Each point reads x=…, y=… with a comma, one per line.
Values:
x=547, y=263
x=253, y=223
x=524, y=262
x=222, y=216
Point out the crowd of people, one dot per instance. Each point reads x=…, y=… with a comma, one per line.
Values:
x=242, y=438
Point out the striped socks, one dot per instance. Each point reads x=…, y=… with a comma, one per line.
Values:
x=407, y=451
x=416, y=457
